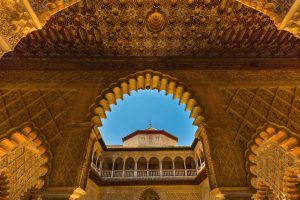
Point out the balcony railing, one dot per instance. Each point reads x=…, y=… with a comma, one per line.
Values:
x=168, y=172
x=141, y=173
x=148, y=173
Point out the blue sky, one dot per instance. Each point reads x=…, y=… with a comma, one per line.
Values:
x=135, y=111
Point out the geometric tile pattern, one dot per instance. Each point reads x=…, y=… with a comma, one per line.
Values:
x=249, y=108
x=48, y=109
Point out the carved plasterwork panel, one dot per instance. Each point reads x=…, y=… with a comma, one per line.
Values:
x=248, y=108
x=48, y=109
x=19, y=17
x=24, y=164
x=284, y=13
x=272, y=159
x=225, y=158
x=25, y=160
x=277, y=161
x=186, y=28
x=67, y=166
x=20, y=139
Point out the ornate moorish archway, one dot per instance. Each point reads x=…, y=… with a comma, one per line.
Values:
x=146, y=80
x=217, y=141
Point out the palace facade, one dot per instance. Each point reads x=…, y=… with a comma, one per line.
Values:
x=234, y=64
x=141, y=171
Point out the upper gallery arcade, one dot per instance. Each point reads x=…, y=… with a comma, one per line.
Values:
x=234, y=65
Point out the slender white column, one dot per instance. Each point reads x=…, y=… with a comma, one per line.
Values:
x=93, y=157
x=123, y=174
x=147, y=168
x=173, y=168
x=100, y=166
x=196, y=164
x=160, y=168
x=112, y=170
x=184, y=168
x=97, y=163
x=135, y=168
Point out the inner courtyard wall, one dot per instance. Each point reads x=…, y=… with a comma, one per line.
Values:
x=165, y=192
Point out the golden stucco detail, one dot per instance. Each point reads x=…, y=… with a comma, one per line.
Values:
x=270, y=157
x=21, y=17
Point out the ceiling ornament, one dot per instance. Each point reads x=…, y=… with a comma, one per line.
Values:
x=195, y=28
x=156, y=21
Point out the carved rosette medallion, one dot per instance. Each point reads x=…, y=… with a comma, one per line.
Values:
x=156, y=21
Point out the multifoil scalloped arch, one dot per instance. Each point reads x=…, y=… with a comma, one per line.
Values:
x=147, y=79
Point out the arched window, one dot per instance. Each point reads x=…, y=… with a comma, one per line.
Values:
x=153, y=163
x=142, y=164
x=167, y=163
x=179, y=166
x=118, y=167
x=153, y=167
x=107, y=164
x=142, y=167
x=167, y=167
x=129, y=164
x=190, y=166
x=129, y=167
x=178, y=163
x=190, y=163
x=107, y=167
